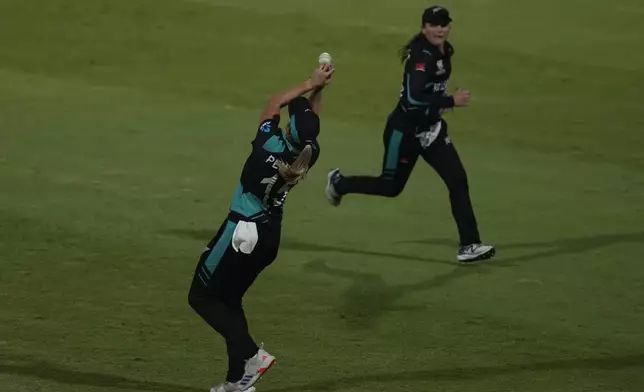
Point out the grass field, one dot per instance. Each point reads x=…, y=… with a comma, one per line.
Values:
x=123, y=127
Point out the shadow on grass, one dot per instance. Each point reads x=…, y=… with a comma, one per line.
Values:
x=29, y=366
x=370, y=296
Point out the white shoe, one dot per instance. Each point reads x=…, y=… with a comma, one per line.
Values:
x=255, y=368
x=229, y=387
x=331, y=194
x=475, y=252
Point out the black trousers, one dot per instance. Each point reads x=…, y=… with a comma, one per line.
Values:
x=402, y=149
x=221, y=279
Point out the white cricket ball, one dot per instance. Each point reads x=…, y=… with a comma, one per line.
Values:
x=324, y=58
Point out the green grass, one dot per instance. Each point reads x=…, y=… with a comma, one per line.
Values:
x=123, y=127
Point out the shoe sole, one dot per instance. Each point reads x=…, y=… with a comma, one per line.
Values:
x=482, y=257
x=251, y=389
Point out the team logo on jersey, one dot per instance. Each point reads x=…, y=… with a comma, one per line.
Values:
x=420, y=67
x=441, y=67
x=266, y=127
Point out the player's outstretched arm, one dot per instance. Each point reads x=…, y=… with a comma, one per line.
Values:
x=320, y=78
x=316, y=95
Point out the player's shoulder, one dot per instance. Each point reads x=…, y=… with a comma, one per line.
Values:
x=267, y=129
x=420, y=57
x=270, y=139
x=269, y=125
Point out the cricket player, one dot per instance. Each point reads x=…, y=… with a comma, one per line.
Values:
x=249, y=238
x=416, y=128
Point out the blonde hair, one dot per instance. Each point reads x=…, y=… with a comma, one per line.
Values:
x=297, y=170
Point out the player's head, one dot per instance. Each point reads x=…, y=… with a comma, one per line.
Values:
x=303, y=125
x=436, y=24
x=435, y=27
x=303, y=129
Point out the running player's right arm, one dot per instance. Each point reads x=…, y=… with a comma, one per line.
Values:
x=419, y=68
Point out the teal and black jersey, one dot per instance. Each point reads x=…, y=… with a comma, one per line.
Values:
x=261, y=192
x=423, y=97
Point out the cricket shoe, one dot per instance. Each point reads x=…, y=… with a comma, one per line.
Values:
x=230, y=387
x=475, y=252
x=255, y=368
x=332, y=195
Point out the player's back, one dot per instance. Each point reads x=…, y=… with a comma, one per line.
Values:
x=261, y=193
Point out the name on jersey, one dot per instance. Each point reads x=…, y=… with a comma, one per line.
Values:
x=273, y=161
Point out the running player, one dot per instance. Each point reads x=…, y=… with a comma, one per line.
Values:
x=416, y=128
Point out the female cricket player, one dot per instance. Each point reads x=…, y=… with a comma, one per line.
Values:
x=249, y=238
x=416, y=127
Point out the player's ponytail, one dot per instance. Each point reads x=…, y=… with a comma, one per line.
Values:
x=297, y=170
x=404, y=51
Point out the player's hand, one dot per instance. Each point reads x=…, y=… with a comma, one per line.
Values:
x=322, y=75
x=461, y=97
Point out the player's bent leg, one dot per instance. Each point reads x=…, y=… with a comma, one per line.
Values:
x=400, y=156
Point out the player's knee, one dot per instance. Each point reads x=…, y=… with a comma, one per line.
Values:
x=393, y=188
x=234, y=305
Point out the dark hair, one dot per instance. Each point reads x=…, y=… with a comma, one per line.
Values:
x=404, y=51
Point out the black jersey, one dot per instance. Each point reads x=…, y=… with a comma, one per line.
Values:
x=261, y=192
x=423, y=97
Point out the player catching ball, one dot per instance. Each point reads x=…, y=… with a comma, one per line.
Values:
x=249, y=238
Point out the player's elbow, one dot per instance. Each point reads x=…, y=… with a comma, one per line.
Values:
x=275, y=101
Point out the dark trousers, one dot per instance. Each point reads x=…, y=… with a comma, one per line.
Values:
x=221, y=279
x=402, y=149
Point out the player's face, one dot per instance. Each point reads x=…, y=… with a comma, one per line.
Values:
x=436, y=34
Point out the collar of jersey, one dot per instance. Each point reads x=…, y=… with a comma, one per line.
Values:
x=291, y=147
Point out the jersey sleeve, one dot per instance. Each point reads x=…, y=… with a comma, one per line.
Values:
x=420, y=71
x=266, y=129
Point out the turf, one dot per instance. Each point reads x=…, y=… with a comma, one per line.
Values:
x=123, y=126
